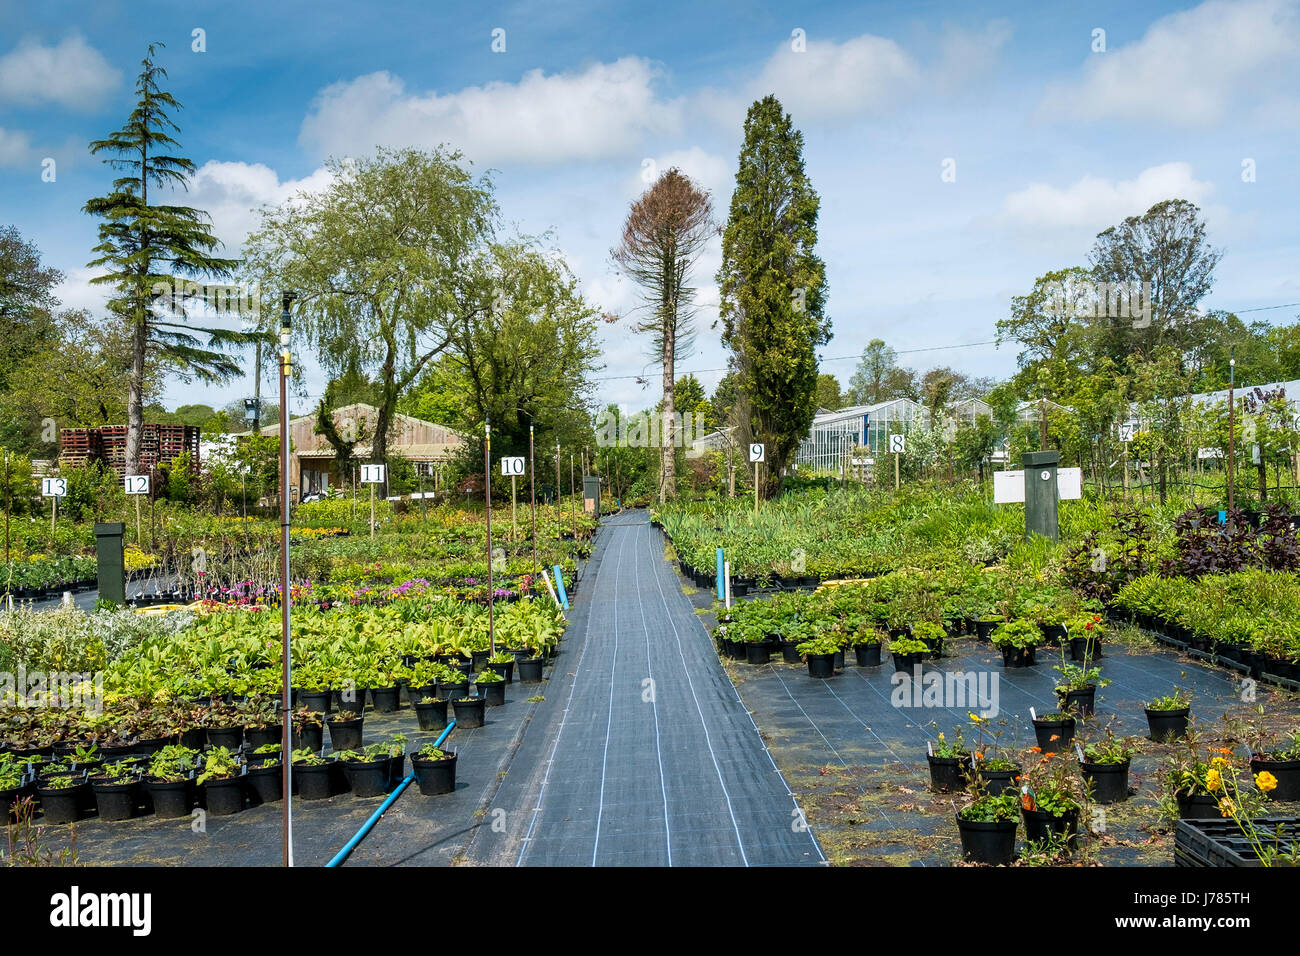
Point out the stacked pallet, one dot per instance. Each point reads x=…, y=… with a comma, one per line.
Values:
x=159, y=445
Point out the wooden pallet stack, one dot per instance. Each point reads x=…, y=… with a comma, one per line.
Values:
x=159, y=445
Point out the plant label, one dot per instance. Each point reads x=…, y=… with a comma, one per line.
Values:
x=372, y=474
x=512, y=467
x=1126, y=432
x=54, y=487
x=757, y=453
x=136, y=484
x=897, y=444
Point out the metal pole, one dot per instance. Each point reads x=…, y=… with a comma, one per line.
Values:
x=573, y=501
x=1232, y=381
x=372, y=509
x=487, y=497
x=286, y=742
x=558, y=533
x=514, y=525
x=532, y=483
x=6, y=511
x=755, y=487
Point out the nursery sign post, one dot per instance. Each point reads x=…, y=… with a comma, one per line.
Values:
x=286, y=596
x=757, y=454
x=897, y=445
x=54, y=489
x=513, y=468
x=372, y=475
x=487, y=500
x=137, y=485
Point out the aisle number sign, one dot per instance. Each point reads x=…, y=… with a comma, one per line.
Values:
x=136, y=484
x=54, y=487
x=1126, y=433
x=757, y=453
x=372, y=474
x=897, y=444
x=512, y=467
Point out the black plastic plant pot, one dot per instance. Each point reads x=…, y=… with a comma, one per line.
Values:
x=478, y=659
x=1040, y=826
x=758, y=652
x=947, y=774
x=905, y=663
x=357, y=704
x=984, y=629
x=396, y=769
x=116, y=801
x=435, y=777
x=229, y=737
x=992, y=843
x=223, y=797
x=1287, y=773
x=1054, y=634
x=998, y=782
x=265, y=784
x=821, y=666
x=116, y=751
x=1019, y=656
x=506, y=670
x=171, y=799
x=193, y=738
x=1109, y=781
x=453, y=691
x=63, y=805
x=319, y=701
x=386, y=699
x=147, y=746
x=1081, y=701
x=367, y=778
x=432, y=713
x=736, y=650
x=419, y=694
x=314, y=781
x=1167, y=724
x=309, y=738
x=1199, y=806
x=1080, y=649
x=345, y=734
x=261, y=736
x=838, y=659
x=790, y=652
x=868, y=655
x=1054, y=735
x=530, y=670
x=494, y=693
x=468, y=712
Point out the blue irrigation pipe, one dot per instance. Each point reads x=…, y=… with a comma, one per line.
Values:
x=721, y=578
x=559, y=586
x=369, y=825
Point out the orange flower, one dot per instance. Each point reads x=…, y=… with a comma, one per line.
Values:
x=1052, y=754
x=1036, y=750
x=1054, y=737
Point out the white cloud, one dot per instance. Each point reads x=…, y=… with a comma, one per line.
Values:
x=866, y=74
x=708, y=170
x=70, y=73
x=605, y=110
x=1189, y=68
x=16, y=148
x=232, y=193
x=1096, y=202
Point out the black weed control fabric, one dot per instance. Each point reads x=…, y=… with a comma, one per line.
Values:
x=643, y=754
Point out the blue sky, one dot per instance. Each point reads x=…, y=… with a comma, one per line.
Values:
x=1051, y=141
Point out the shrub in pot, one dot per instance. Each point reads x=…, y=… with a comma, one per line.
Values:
x=1052, y=793
x=987, y=826
x=948, y=760
x=169, y=781
x=503, y=663
x=219, y=780
x=312, y=775
x=931, y=635
x=118, y=791
x=820, y=655
x=492, y=687
x=1085, y=637
x=1017, y=640
x=1167, y=716
x=432, y=713
x=530, y=669
x=866, y=649
x=435, y=770
x=1105, y=767
x=368, y=771
x=308, y=729
x=345, y=730
x=1054, y=731
x=264, y=780
x=63, y=797
x=908, y=652
x=386, y=700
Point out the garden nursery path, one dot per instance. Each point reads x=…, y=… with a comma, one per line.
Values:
x=643, y=753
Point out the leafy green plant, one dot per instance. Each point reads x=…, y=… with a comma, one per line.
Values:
x=1019, y=633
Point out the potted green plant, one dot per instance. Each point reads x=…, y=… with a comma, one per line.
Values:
x=1077, y=688
x=1085, y=630
x=435, y=770
x=931, y=635
x=368, y=771
x=63, y=796
x=1167, y=715
x=948, y=760
x=820, y=655
x=987, y=826
x=908, y=653
x=313, y=775
x=866, y=646
x=264, y=778
x=468, y=712
x=221, y=788
x=1105, y=767
x=1054, y=731
x=1282, y=760
x=503, y=662
x=169, y=781
x=308, y=729
x=345, y=730
x=1017, y=640
x=1051, y=797
x=117, y=789
x=431, y=712
x=492, y=687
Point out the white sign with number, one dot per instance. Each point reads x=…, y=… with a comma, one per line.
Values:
x=54, y=487
x=372, y=474
x=757, y=453
x=1126, y=433
x=136, y=484
x=897, y=444
x=512, y=467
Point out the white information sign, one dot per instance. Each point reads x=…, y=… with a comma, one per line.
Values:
x=757, y=452
x=136, y=484
x=372, y=474
x=512, y=467
x=897, y=444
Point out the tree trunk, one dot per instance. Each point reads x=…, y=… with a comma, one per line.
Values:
x=135, y=398
x=668, y=433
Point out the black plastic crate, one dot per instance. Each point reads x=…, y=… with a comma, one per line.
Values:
x=1221, y=842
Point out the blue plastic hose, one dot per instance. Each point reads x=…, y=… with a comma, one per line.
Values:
x=374, y=817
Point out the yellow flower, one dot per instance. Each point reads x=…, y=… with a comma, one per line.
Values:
x=1213, y=780
x=1218, y=762
x=1226, y=807
x=1265, y=781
